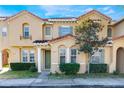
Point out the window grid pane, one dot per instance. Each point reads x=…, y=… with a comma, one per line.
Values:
x=26, y=31
x=25, y=56
x=65, y=30
x=4, y=34
x=98, y=57
x=32, y=57
x=47, y=31
x=73, y=55
x=62, y=55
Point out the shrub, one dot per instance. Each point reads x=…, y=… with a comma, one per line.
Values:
x=33, y=69
x=98, y=68
x=21, y=66
x=115, y=72
x=69, y=68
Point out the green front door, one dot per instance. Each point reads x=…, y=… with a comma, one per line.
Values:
x=47, y=59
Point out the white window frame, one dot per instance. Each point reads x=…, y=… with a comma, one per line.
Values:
x=73, y=55
x=25, y=31
x=24, y=56
x=45, y=29
x=98, y=55
x=4, y=31
x=65, y=26
x=61, y=55
x=29, y=51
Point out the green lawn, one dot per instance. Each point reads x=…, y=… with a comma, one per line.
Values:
x=91, y=75
x=18, y=74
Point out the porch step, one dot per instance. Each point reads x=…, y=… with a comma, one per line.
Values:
x=44, y=74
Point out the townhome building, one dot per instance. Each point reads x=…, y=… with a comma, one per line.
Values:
x=27, y=38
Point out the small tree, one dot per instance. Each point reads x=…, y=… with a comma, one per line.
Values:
x=87, y=37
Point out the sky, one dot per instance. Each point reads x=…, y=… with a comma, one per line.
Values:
x=52, y=11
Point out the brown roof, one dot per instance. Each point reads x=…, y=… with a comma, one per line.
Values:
x=46, y=19
x=61, y=37
x=63, y=18
x=115, y=38
x=116, y=23
x=92, y=11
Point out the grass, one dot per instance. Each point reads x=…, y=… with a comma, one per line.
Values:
x=18, y=74
x=91, y=75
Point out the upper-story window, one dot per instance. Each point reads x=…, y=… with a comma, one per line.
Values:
x=4, y=31
x=64, y=30
x=26, y=30
x=47, y=31
x=109, y=32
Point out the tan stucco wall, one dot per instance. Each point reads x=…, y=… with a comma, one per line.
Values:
x=68, y=43
x=55, y=27
x=104, y=22
x=118, y=30
x=13, y=42
x=116, y=44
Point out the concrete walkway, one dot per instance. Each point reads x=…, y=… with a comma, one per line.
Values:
x=44, y=81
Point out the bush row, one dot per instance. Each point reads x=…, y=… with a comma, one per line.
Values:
x=21, y=66
x=98, y=68
x=69, y=68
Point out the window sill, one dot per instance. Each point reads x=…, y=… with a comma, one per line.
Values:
x=22, y=37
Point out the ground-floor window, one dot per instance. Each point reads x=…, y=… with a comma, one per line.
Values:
x=73, y=55
x=32, y=56
x=28, y=55
x=62, y=53
x=98, y=56
x=25, y=56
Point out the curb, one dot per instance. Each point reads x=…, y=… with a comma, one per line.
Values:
x=66, y=86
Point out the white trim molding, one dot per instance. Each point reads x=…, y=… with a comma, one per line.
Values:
x=0, y=60
x=67, y=55
x=39, y=59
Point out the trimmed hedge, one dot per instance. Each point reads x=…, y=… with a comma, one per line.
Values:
x=69, y=68
x=21, y=66
x=98, y=68
x=33, y=69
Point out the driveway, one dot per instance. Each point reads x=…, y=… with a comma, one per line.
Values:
x=44, y=81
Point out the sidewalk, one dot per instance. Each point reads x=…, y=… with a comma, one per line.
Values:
x=78, y=82
x=42, y=81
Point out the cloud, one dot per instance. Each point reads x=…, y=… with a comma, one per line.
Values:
x=107, y=10
x=110, y=11
x=4, y=12
x=51, y=10
x=87, y=9
x=55, y=9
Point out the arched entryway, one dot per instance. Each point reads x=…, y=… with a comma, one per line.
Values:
x=120, y=60
x=5, y=57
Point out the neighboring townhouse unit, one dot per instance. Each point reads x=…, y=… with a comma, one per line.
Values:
x=25, y=37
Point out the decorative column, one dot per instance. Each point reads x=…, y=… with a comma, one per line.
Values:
x=0, y=60
x=67, y=55
x=39, y=59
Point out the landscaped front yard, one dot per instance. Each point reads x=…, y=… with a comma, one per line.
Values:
x=18, y=74
x=91, y=75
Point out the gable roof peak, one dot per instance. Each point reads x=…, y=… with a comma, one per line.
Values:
x=95, y=11
x=24, y=11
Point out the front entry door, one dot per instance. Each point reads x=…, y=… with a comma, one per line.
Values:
x=47, y=59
